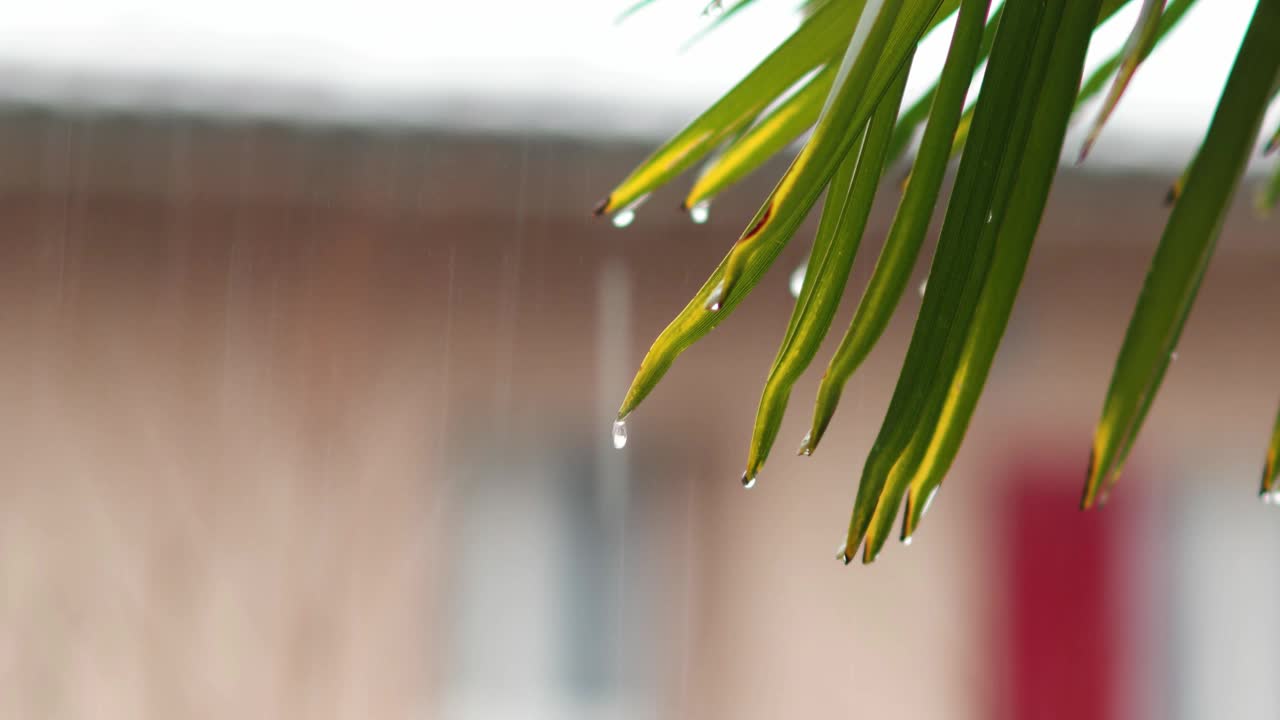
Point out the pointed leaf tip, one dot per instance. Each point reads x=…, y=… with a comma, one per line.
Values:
x=1143, y=37
x=1186, y=246
x=911, y=220
x=1271, y=467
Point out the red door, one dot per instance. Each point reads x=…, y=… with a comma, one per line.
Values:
x=1061, y=654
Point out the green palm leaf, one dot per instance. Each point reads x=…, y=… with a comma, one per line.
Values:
x=920, y=110
x=1185, y=249
x=844, y=218
x=910, y=223
x=1009, y=140
x=885, y=36
x=1017, y=235
x=1271, y=468
x=1136, y=48
x=774, y=132
x=820, y=38
x=764, y=139
x=1098, y=78
x=984, y=183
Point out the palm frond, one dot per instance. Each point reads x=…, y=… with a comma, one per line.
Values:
x=844, y=218
x=1140, y=42
x=816, y=42
x=910, y=223
x=885, y=36
x=764, y=139
x=1184, y=252
x=1022, y=66
x=843, y=73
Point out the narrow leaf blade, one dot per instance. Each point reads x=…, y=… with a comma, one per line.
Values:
x=844, y=219
x=1141, y=40
x=1185, y=249
x=910, y=223
x=977, y=205
x=1017, y=236
x=1271, y=468
x=764, y=139
x=817, y=39
x=887, y=38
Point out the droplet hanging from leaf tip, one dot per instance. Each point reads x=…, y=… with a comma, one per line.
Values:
x=907, y=541
x=619, y=434
x=806, y=448
x=624, y=218
x=627, y=215
x=748, y=481
x=700, y=212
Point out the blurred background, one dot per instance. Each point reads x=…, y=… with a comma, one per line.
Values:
x=309, y=349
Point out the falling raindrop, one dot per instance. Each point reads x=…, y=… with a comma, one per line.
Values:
x=796, y=283
x=700, y=212
x=924, y=284
x=619, y=434
x=748, y=481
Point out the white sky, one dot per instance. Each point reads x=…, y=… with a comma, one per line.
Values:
x=496, y=64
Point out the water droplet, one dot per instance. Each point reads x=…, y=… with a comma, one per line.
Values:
x=906, y=541
x=1173, y=356
x=619, y=434
x=796, y=283
x=627, y=215
x=624, y=217
x=717, y=294
x=700, y=212
x=989, y=216
x=748, y=481
x=924, y=284
x=1270, y=498
x=713, y=8
x=843, y=555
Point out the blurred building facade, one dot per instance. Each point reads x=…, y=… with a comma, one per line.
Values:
x=314, y=422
